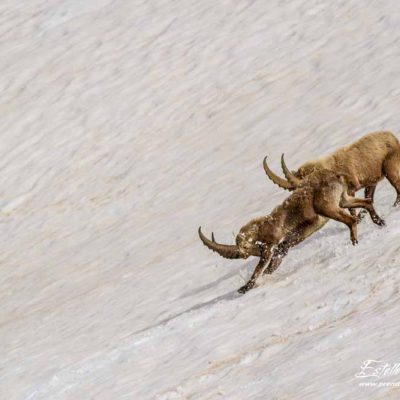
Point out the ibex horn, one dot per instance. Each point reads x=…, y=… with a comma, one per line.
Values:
x=224, y=250
x=293, y=180
x=275, y=178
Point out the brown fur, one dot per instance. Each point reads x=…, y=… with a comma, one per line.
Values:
x=322, y=196
x=363, y=163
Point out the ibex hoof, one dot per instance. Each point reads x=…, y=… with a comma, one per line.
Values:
x=361, y=216
x=379, y=221
x=354, y=241
x=245, y=288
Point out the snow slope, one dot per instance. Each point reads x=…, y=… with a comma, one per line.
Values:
x=127, y=124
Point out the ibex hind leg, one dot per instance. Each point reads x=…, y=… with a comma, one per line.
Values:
x=367, y=207
x=391, y=169
x=366, y=204
x=353, y=211
x=328, y=208
x=341, y=216
x=369, y=193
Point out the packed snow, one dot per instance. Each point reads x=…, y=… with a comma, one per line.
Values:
x=127, y=124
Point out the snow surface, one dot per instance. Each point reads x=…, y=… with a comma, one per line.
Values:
x=127, y=124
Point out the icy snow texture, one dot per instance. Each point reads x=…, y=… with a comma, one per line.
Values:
x=127, y=124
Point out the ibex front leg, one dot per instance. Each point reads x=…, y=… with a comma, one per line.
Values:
x=279, y=253
x=264, y=260
x=281, y=250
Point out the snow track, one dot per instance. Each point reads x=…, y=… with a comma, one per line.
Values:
x=125, y=126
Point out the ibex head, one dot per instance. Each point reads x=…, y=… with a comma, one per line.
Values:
x=246, y=243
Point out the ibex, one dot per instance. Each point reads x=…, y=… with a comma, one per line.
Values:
x=322, y=195
x=363, y=164
x=366, y=144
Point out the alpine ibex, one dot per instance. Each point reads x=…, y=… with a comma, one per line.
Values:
x=363, y=164
x=323, y=195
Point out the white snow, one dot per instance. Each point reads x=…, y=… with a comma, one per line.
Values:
x=124, y=126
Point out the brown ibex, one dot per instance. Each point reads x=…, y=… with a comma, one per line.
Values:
x=363, y=164
x=322, y=195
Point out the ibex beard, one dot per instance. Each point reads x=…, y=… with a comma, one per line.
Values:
x=323, y=195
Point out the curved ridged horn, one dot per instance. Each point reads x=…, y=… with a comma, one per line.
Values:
x=224, y=250
x=275, y=178
x=288, y=174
